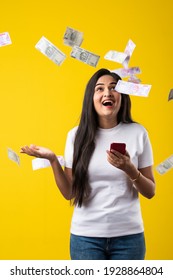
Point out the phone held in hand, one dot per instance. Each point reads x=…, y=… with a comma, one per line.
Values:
x=119, y=147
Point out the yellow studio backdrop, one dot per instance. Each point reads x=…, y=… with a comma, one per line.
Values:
x=40, y=102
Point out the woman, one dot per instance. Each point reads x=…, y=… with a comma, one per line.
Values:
x=102, y=183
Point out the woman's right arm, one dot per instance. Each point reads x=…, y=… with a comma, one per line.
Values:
x=63, y=178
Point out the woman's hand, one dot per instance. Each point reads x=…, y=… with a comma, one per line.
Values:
x=143, y=178
x=119, y=160
x=62, y=179
x=38, y=151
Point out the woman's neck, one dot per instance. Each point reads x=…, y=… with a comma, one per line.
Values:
x=107, y=123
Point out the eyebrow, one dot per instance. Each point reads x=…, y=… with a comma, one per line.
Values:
x=101, y=84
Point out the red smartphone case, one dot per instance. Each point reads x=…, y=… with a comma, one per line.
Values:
x=120, y=147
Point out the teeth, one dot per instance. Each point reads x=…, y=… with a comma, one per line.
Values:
x=107, y=102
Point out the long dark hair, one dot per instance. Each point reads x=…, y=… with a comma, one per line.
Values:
x=84, y=144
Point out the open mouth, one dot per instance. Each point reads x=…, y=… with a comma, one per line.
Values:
x=107, y=103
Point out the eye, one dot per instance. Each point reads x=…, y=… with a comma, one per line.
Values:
x=99, y=89
x=112, y=88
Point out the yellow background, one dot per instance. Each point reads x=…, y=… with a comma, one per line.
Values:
x=41, y=101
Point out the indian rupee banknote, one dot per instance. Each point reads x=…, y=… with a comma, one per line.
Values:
x=132, y=88
x=13, y=156
x=128, y=50
x=115, y=56
x=5, y=39
x=85, y=56
x=72, y=37
x=126, y=72
x=165, y=166
x=170, y=97
x=38, y=163
x=50, y=50
x=134, y=79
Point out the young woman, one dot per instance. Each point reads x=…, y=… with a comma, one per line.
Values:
x=104, y=184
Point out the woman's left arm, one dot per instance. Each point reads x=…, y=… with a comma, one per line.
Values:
x=143, y=179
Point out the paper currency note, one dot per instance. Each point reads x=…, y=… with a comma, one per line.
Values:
x=132, y=88
x=85, y=56
x=134, y=79
x=72, y=37
x=170, y=97
x=13, y=156
x=128, y=50
x=5, y=39
x=126, y=72
x=115, y=56
x=165, y=166
x=50, y=50
x=39, y=163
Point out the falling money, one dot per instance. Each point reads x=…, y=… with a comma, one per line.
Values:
x=73, y=37
x=13, y=156
x=51, y=51
x=170, y=95
x=38, y=163
x=85, y=56
x=166, y=165
x=5, y=39
x=132, y=88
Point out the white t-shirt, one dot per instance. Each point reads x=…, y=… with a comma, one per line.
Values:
x=113, y=207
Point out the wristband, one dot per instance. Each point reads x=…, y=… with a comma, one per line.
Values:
x=134, y=180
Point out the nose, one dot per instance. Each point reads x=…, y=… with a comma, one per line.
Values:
x=107, y=92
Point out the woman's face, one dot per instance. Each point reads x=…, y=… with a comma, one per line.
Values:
x=107, y=100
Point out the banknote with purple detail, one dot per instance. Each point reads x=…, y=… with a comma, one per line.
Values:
x=126, y=72
x=5, y=39
x=128, y=50
x=134, y=79
x=133, y=88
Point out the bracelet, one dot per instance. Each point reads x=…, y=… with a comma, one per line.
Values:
x=134, y=180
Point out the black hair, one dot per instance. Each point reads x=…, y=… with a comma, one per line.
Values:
x=84, y=144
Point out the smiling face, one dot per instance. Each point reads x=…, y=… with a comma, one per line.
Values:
x=107, y=101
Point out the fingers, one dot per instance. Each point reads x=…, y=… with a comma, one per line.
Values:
x=23, y=149
x=127, y=154
x=114, y=153
x=34, y=147
x=113, y=157
x=31, y=150
x=117, y=159
x=118, y=154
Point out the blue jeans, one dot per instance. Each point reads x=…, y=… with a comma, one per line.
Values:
x=129, y=247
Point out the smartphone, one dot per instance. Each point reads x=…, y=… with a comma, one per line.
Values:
x=120, y=147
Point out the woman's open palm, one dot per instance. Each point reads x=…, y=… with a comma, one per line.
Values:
x=38, y=151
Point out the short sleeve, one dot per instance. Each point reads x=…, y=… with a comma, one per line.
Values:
x=69, y=148
x=146, y=157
